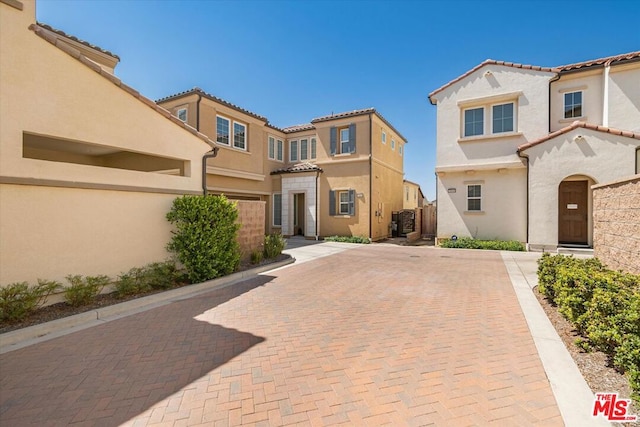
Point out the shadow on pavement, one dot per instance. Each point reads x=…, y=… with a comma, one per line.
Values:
x=108, y=374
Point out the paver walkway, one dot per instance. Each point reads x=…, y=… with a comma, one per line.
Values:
x=371, y=336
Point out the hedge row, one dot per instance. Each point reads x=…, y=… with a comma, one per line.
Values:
x=469, y=243
x=604, y=306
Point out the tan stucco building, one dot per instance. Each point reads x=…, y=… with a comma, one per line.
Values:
x=519, y=147
x=412, y=196
x=336, y=175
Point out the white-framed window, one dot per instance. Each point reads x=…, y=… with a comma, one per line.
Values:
x=279, y=149
x=474, y=197
x=502, y=115
x=393, y=144
x=342, y=202
x=572, y=105
x=239, y=135
x=473, y=121
x=384, y=137
x=274, y=148
x=182, y=114
x=313, y=148
x=277, y=209
x=406, y=192
x=415, y=194
x=400, y=149
x=344, y=139
x=293, y=151
x=222, y=130
x=304, y=149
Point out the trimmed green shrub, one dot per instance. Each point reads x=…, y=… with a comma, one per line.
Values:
x=205, y=239
x=348, y=239
x=84, y=290
x=603, y=305
x=256, y=257
x=18, y=300
x=274, y=244
x=131, y=283
x=469, y=243
x=138, y=280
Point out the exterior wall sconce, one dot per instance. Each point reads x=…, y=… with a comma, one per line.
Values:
x=578, y=138
x=488, y=73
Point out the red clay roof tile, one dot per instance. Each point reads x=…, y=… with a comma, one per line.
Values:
x=63, y=34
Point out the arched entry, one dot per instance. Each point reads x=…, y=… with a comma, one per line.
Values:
x=574, y=211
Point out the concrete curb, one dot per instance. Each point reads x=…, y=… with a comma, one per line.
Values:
x=21, y=338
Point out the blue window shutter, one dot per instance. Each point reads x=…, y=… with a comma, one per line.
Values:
x=352, y=202
x=332, y=202
x=352, y=138
x=334, y=138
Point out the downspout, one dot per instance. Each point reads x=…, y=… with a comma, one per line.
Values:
x=208, y=155
x=317, y=202
x=435, y=231
x=556, y=78
x=370, y=176
x=605, y=97
x=525, y=157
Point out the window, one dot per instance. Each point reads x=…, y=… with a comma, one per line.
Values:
x=313, y=148
x=502, y=118
x=293, y=151
x=384, y=137
x=343, y=139
x=239, y=135
x=279, y=149
x=393, y=144
x=272, y=148
x=474, y=121
x=400, y=149
x=182, y=114
x=406, y=192
x=572, y=105
x=222, y=130
x=342, y=202
x=304, y=149
x=277, y=209
x=474, y=197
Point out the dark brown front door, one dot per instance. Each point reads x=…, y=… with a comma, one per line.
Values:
x=573, y=211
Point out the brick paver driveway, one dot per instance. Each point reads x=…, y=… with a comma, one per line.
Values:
x=371, y=336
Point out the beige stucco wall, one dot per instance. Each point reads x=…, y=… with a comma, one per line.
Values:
x=624, y=97
x=591, y=85
x=599, y=156
x=504, y=201
x=67, y=218
x=616, y=214
x=410, y=195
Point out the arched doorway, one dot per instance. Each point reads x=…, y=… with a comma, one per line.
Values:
x=575, y=211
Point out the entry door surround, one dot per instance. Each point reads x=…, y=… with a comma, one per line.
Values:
x=573, y=211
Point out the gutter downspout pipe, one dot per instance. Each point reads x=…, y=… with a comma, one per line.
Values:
x=370, y=176
x=317, y=201
x=198, y=112
x=605, y=97
x=208, y=155
x=525, y=157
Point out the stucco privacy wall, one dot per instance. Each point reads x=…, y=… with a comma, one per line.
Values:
x=616, y=228
x=251, y=216
x=596, y=156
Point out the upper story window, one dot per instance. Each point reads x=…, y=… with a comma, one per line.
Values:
x=182, y=114
x=406, y=192
x=474, y=121
x=572, y=105
x=343, y=139
x=222, y=130
x=274, y=149
x=293, y=151
x=393, y=144
x=279, y=150
x=303, y=149
x=384, y=137
x=502, y=118
x=400, y=149
x=474, y=197
x=239, y=135
x=313, y=148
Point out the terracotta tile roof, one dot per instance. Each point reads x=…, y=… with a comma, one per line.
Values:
x=601, y=61
x=561, y=69
x=75, y=39
x=116, y=81
x=198, y=91
x=298, y=128
x=300, y=167
x=575, y=125
x=354, y=113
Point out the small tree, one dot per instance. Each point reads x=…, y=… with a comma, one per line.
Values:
x=205, y=239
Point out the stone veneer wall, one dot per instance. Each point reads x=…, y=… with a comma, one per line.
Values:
x=251, y=216
x=616, y=224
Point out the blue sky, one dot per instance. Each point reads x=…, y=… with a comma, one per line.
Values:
x=292, y=61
